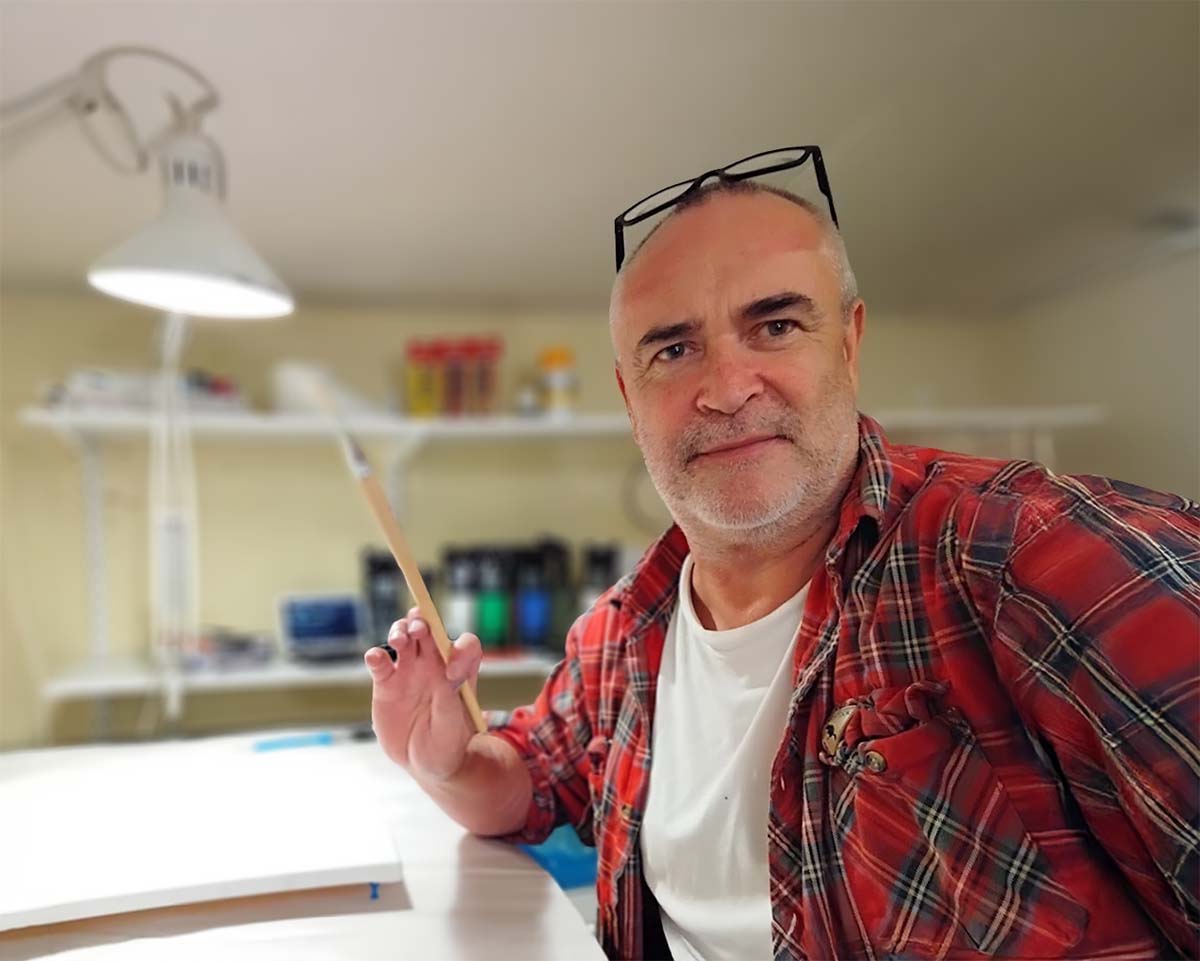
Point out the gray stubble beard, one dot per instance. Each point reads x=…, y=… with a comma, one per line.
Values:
x=824, y=465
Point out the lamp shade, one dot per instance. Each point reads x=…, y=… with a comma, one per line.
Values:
x=192, y=260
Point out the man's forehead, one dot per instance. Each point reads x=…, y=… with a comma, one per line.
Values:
x=737, y=242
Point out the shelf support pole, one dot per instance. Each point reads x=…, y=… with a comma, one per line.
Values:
x=91, y=459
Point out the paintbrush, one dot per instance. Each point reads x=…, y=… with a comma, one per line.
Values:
x=360, y=467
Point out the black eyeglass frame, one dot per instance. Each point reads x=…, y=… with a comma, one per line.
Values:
x=722, y=173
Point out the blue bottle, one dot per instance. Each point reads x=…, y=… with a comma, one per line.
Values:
x=534, y=601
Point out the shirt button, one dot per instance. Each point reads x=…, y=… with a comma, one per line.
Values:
x=875, y=761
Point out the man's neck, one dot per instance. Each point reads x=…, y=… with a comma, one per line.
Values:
x=733, y=585
x=736, y=580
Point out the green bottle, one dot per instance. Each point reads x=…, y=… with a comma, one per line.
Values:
x=493, y=603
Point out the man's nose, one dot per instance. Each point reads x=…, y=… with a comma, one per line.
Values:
x=731, y=379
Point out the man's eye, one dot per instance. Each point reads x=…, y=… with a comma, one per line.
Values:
x=674, y=352
x=777, y=328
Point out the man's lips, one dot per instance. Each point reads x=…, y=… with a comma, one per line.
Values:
x=744, y=444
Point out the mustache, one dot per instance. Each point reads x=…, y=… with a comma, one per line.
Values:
x=702, y=436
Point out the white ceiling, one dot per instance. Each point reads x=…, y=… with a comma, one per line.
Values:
x=980, y=153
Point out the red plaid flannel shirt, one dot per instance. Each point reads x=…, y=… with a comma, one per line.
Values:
x=1021, y=649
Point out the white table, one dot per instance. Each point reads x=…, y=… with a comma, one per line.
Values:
x=461, y=897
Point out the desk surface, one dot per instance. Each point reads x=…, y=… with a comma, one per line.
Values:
x=461, y=897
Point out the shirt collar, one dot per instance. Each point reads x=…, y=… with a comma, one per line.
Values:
x=873, y=493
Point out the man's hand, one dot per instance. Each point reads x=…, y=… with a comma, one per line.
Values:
x=418, y=715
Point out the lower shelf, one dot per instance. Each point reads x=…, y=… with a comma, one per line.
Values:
x=124, y=677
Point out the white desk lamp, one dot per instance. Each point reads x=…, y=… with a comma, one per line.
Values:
x=190, y=262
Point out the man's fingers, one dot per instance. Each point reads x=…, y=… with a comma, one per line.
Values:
x=398, y=638
x=378, y=663
x=449, y=713
x=384, y=665
x=465, y=659
x=422, y=639
x=416, y=650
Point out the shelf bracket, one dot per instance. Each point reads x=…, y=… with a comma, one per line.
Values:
x=400, y=452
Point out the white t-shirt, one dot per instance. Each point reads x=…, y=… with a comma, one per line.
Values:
x=719, y=719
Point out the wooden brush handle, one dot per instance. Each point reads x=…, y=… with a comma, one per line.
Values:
x=416, y=585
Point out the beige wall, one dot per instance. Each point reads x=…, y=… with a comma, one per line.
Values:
x=1130, y=341
x=282, y=516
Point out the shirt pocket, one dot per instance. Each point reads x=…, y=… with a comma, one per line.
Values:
x=934, y=849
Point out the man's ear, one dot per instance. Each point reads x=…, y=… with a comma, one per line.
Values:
x=852, y=335
x=633, y=424
x=621, y=384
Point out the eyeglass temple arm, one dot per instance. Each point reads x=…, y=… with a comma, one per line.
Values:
x=696, y=184
x=823, y=183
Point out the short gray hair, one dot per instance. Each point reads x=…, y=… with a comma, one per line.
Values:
x=832, y=246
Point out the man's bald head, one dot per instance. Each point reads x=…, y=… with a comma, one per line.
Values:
x=832, y=244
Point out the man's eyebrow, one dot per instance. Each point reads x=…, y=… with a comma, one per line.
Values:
x=756, y=309
x=665, y=332
x=785, y=300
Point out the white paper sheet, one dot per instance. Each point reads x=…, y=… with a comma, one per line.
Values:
x=105, y=830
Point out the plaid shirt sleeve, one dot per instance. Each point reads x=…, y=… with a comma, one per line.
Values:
x=1095, y=606
x=551, y=736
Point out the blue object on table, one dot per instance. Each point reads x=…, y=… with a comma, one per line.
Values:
x=565, y=858
x=319, y=739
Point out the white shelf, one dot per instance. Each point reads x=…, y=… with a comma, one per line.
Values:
x=992, y=419
x=117, y=678
x=130, y=423
x=91, y=428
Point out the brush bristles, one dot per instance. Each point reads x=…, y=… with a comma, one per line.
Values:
x=355, y=458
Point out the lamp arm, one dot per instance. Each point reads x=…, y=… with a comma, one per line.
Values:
x=55, y=92
x=87, y=90
x=97, y=64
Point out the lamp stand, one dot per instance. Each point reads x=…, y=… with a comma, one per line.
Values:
x=173, y=529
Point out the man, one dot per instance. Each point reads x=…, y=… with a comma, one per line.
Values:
x=862, y=700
